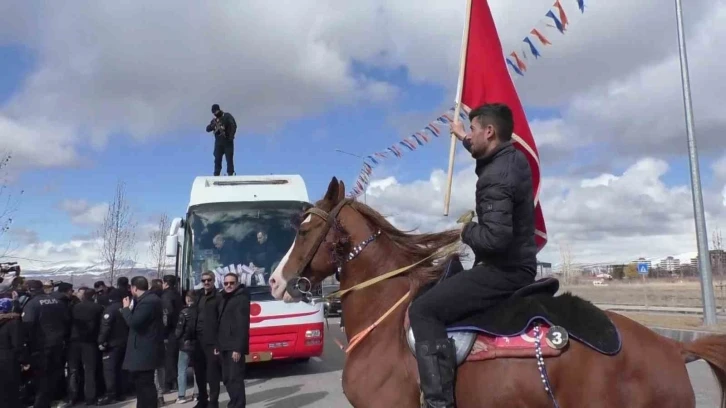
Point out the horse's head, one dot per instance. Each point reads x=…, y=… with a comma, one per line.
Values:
x=317, y=250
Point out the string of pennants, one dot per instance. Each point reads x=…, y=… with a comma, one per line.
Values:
x=434, y=129
x=555, y=20
x=540, y=36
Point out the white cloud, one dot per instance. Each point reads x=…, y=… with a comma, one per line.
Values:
x=83, y=213
x=113, y=67
x=611, y=217
x=37, y=143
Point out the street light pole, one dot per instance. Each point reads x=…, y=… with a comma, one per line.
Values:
x=709, y=302
x=365, y=195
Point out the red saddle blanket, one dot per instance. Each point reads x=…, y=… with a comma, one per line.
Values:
x=488, y=347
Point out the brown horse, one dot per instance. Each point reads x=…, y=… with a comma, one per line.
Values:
x=345, y=237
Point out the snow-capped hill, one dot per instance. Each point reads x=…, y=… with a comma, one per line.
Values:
x=86, y=273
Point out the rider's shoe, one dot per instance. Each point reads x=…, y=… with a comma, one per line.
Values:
x=437, y=372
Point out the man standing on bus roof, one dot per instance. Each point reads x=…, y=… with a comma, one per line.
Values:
x=224, y=127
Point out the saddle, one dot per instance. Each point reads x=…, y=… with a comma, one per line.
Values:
x=531, y=321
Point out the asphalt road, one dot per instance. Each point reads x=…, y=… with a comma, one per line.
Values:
x=317, y=383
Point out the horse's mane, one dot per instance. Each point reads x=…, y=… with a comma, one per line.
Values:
x=415, y=246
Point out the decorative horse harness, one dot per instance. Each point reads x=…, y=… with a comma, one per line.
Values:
x=297, y=281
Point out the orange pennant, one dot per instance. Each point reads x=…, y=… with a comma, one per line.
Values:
x=563, y=16
x=541, y=37
x=520, y=64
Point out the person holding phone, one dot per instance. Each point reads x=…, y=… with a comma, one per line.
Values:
x=145, y=345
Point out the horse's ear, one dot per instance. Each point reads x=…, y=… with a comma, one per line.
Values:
x=341, y=191
x=332, y=193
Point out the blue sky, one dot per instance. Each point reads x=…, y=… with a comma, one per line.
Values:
x=589, y=115
x=159, y=173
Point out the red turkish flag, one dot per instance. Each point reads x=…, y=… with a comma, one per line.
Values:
x=487, y=80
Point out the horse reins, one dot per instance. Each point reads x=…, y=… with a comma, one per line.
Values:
x=330, y=219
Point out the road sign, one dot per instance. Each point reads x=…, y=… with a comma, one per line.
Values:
x=642, y=268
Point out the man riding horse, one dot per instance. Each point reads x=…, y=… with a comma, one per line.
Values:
x=502, y=241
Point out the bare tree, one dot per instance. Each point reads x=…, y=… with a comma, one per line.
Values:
x=8, y=201
x=718, y=261
x=566, y=265
x=118, y=231
x=157, y=244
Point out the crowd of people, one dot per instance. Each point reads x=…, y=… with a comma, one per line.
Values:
x=102, y=345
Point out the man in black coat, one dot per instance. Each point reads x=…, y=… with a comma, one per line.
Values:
x=83, y=351
x=112, y=340
x=502, y=241
x=207, y=369
x=224, y=127
x=233, y=339
x=172, y=302
x=145, y=345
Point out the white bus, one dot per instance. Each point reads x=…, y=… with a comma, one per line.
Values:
x=246, y=224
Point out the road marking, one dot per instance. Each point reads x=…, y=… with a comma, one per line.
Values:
x=317, y=359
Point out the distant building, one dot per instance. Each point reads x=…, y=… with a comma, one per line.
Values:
x=670, y=264
x=544, y=269
x=718, y=261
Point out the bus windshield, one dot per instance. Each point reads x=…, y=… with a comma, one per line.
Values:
x=249, y=239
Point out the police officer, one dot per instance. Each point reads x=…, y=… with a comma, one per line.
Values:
x=83, y=350
x=46, y=320
x=112, y=339
x=224, y=127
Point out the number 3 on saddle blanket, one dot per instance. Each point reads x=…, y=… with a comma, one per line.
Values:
x=531, y=319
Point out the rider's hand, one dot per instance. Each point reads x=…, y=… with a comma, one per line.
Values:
x=236, y=356
x=457, y=129
x=466, y=218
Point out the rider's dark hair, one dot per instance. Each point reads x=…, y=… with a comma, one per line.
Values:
x=498, y=115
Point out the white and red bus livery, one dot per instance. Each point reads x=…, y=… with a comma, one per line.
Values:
x=245, y=225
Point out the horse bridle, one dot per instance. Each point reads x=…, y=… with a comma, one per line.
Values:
x=330, y=219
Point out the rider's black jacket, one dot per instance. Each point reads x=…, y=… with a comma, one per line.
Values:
x=504, y=235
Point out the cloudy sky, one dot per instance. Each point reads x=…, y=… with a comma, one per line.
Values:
x=96, y=91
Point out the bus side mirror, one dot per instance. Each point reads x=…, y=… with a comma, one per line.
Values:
x=171, y=245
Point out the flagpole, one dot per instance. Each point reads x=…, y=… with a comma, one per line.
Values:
x=709, y=303
x=457, y=110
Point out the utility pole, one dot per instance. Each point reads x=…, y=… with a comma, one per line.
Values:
x=709, y=302
x=365, y=198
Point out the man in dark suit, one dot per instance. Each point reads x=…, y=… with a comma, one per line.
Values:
x=145, y=346
x=233, y=339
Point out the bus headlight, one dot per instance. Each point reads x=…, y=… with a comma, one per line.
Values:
x=312, y=334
